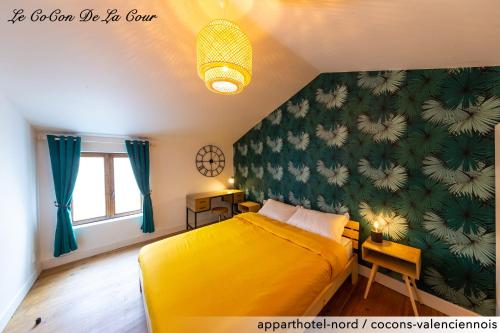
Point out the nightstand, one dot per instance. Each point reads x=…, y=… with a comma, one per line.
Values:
x=398, y=258
x=248, y=206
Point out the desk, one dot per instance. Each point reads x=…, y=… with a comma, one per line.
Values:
x=201, y=202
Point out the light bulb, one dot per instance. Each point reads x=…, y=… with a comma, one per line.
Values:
x=224, y=86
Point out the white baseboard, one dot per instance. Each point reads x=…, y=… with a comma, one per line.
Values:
x=430, y=300
x=82, y=254
x=16, y=301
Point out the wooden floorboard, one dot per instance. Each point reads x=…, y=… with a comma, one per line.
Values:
x=382, y=301
x=101, y=294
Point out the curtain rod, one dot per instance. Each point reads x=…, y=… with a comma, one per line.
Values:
x=86, y=138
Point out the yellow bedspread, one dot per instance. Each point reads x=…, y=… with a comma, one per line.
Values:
x=249, y=265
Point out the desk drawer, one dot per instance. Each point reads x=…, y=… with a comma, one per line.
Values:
x=202, y=204
x=239, y=197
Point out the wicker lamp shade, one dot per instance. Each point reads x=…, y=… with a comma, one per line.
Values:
x=224, y=56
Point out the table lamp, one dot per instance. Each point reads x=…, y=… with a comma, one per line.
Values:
x=376, y=233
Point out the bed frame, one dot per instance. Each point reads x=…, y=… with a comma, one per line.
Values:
x=351, y=231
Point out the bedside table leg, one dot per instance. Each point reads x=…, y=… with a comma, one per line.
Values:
x=370, y=279
x=410, y=293
x=416, y=290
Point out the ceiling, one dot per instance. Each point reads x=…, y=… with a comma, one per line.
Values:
x=140, y=78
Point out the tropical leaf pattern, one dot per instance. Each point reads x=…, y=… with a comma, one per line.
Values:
x=391, y=178
x=258, y=171
x=242, y=170
x=383, y=82
x=274, y=144
x=275, y=117
x=389, y=129
x=336, y=175
x=479, y=182
x=298, y=110
x=415, y=148
x=396, y=226
x=479, y=246
x=243, y=149
x=257, y=147
x=334, y=98
x=301, y=173
x=258, y=195
x=275, y=171
x=299, y=201
x=275, y=196
x=333, y=137
x=336, y=208
x=299, y=141
x=479, y=118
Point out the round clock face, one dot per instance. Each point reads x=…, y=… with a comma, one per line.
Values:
x=210, y=161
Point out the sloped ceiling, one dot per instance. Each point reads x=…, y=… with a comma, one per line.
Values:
x=140, y=78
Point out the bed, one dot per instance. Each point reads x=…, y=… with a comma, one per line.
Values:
x=249, y=265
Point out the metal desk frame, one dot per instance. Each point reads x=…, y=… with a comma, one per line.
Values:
x=222, y=195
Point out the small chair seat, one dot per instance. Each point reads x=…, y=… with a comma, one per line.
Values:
x=220, y=211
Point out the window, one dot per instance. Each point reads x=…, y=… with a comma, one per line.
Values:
x=105, y=188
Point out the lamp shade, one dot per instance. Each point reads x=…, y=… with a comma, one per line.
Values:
x=224, y=57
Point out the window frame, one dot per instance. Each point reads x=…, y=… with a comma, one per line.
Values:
x=109, y=190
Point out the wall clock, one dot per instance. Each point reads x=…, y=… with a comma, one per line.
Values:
x=210, y=161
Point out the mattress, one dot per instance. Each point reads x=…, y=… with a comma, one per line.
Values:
x=249, y=265
x=347, y=244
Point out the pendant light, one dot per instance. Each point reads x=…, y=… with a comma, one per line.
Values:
x=224, y=57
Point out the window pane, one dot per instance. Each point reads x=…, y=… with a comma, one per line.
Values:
x=89, y=197
x=127, y=195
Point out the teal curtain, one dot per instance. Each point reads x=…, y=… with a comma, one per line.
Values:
x=138, y=152
x=65, y=160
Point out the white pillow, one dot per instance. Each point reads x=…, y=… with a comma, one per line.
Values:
x=277, y=210
x=324, y=224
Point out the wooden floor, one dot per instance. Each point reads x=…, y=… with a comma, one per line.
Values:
x=101, y=294
x=382, y=301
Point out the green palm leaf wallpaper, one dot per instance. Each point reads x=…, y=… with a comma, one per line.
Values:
x=416, y=147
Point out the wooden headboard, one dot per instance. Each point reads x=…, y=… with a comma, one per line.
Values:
x=351, y=231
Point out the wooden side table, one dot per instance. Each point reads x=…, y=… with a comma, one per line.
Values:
x=399, y=258
x=248, y=206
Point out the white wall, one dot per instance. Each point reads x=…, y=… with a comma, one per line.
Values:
x=173, y=175
x=18, y=217
x=497, y=212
